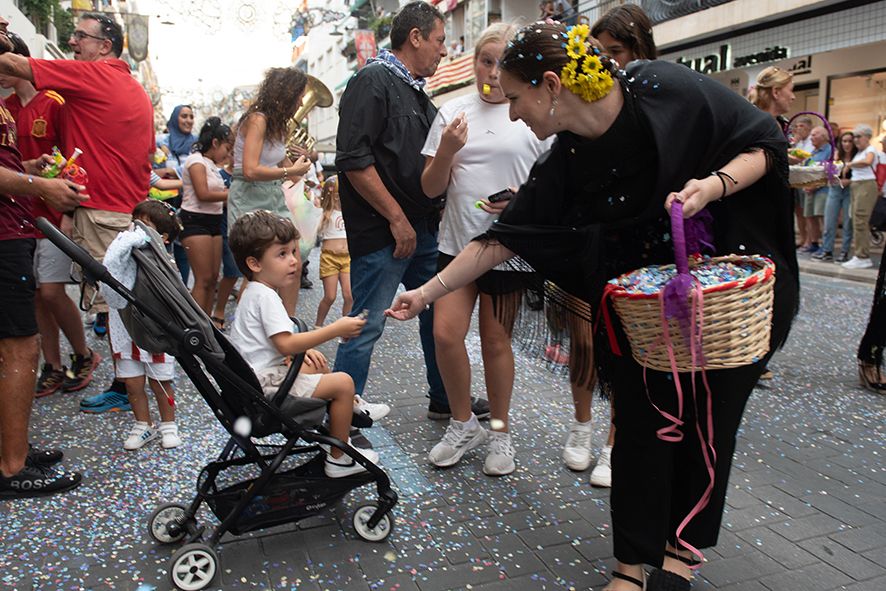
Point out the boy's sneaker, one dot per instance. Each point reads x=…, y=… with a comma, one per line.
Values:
x=36, y=481
x=346, y=465
x=140, y=434
x=169, y=435
x=843, y=258
x=577, y=449
x=80, y=374
x=500, y=458
x=823, y=256
x=43, y=457
x=858, y=263
x=440, y=412
x=50, y=381
x=459, y=439
x=114, y=399
x=375, y=411
x=601, y=475
x=100, y=326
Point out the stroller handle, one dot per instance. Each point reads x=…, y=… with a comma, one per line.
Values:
x=94, y=270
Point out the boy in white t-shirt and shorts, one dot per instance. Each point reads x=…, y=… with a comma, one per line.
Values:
x=265, y=248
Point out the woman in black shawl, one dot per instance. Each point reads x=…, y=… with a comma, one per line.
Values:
x=629, y=144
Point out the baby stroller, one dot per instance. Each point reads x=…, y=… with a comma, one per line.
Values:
x=288, y=482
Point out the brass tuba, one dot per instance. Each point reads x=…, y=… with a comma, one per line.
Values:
x=316, y=95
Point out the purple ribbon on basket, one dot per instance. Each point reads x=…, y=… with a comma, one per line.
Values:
x=689, y=236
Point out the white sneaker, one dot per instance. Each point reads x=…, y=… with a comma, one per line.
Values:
x=577, y=449
x=500, y=458
x=375, y=411
x=169, y=435
x=601, y=475
x=857, y=263
x=346, y=465
x=459, y=439
x=140, y=434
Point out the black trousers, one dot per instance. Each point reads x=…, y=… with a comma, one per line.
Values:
x=870, y=350
x=656, y=483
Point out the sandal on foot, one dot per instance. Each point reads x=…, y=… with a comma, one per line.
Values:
x=869, y=382
x=218, y=322
x=665, y=580
x=630, y=579
x=690, y=562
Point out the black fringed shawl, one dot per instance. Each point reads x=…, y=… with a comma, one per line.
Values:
x=696, y=126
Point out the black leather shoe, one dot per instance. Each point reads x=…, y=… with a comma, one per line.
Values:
x=43, y=457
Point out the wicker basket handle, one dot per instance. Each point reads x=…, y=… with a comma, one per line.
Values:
x=678, y=234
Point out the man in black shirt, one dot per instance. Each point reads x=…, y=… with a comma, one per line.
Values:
x=384, y=119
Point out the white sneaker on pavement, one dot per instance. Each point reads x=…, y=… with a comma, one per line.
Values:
x=857, y=263
x=169, y=435
x=460, y=438
x=375, y=411
x=601, y=475
x=500, y=457
x=140, y=434
x=346, y=465
x=577, y=449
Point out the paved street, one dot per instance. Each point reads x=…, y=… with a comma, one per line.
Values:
x=806, y=507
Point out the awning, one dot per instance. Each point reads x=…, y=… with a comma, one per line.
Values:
x=456, y=72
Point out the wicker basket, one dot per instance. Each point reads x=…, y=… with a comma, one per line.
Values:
x=807, y=177
x=737, y=316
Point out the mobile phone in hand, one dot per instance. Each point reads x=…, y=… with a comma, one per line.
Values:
x=500, y=196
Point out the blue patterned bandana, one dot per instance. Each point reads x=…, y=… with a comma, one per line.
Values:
x=390, y=61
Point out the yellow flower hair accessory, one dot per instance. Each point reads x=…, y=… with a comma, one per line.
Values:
x=584, y=75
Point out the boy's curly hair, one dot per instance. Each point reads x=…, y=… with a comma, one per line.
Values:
x=254, y=233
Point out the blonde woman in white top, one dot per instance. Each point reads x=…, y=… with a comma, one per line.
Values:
x=474, y=150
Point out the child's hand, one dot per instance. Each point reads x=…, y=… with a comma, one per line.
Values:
x=317, y=360
x=349, y=326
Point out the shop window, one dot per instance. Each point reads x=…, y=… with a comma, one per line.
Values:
x=858, y=98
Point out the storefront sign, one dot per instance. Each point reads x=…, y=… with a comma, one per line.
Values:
x=708, y=64
x=801, y=66
x=770, y=54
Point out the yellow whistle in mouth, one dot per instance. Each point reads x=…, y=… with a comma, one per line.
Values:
x=487, y=90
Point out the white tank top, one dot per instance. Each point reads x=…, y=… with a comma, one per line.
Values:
x=335, y=228
x=272, y=152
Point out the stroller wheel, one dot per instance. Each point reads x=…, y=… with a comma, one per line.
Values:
x=377, y=533
x=193, y=567
x=167, y=523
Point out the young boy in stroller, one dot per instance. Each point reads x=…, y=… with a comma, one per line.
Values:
x=265, y=246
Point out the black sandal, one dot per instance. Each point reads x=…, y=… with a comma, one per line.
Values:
x=878, y=387
x=690, y=562
x=665, y=580
x=629, y=579
x=218, y=322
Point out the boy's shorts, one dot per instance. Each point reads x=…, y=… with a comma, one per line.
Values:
x=304, y=387
x=132, y=368
x=333, y=263
x=51, y=265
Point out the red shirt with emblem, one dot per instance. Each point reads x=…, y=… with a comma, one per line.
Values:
x=16, y=220
x=38, y=124
x=109, y=116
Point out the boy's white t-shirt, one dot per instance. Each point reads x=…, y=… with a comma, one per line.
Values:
x=259, y=316
x=865, y=173
x=214, y=181
x=498, y=154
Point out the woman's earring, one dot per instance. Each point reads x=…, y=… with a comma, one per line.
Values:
x=553, y=106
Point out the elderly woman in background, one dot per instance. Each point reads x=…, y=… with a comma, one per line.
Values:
x=864, y=196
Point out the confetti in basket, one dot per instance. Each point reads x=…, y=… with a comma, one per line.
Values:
x=702, y=313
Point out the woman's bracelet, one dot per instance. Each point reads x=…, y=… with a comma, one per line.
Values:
x=424, y=299
x=446, y=287
x=285, y=173
x=720, y=174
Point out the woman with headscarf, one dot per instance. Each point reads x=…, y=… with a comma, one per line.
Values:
x=178, y=143
x=595, y=207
